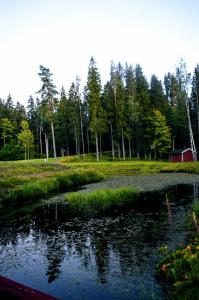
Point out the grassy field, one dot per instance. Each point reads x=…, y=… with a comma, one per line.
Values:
x=35, y=178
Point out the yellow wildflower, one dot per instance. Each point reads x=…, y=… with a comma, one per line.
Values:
x=164, y=267
x=177, y=283
x=197, y=247
x=188, y=248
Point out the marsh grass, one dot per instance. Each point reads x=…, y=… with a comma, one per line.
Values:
x=42, y=187
x=196, y=210
x=179, y=270
x=101, y=201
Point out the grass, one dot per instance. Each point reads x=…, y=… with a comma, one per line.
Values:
x=101, y=201
x=43, y=186
x=34, y=178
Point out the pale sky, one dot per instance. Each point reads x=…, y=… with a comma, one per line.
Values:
x=63, y=34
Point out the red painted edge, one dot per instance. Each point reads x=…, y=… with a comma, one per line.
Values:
x=14, y=290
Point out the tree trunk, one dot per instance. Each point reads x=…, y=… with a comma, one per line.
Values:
x=88, y=144
x=76, y=143
x=38, y=146
x=40, y=139
x=130, y=154
x=62, y=152
x=155, y=154
x=149, y=155
x=192, y=142
x=100, y=146
x=46, y=143
x=123, y=147
x=81, y=126
x=145, y=155
x=112, y=142
x=197, y=104
x=118, y=149
x=53, y=138
x=25, y=154
x=97, y=147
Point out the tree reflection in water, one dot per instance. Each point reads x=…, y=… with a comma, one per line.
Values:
x=116, y=252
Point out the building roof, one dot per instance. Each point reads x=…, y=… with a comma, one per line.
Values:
x=180, y=151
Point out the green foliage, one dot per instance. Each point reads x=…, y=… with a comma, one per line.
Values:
x=100, y=201
x=25, y=138
x=11, y=151
x=159, y=132
x=179, y=271
x=118, y=115
x=7, y=129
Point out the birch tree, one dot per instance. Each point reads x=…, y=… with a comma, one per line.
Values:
x=184, y=81
x=25, y=138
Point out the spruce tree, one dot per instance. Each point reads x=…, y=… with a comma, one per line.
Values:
x=48, y=93
x=97, y=120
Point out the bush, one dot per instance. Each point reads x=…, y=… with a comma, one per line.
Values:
x=11, y=151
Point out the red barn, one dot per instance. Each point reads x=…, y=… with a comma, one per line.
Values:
x=182, y=155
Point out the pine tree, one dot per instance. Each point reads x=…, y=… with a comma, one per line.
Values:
x=157, y=97
x=132, y=107
x=145, y=110
x=96, y=113
x=48, y=93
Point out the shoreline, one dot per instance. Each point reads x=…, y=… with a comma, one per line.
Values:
x=143, y=183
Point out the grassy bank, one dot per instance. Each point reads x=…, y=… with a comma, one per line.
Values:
x=24, y=189
x=179, y=270
x=34, y=178
x=101, y=201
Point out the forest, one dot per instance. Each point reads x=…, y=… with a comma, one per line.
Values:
x=127, y=117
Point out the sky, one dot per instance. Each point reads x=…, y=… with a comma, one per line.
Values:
x=62, y=35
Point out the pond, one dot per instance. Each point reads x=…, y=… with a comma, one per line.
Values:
x=112, y=257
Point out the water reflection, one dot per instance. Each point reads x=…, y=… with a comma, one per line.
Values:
x=111, y=257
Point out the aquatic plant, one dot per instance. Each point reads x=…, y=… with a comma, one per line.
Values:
x=101, y=201
x=179, y=272
x=40, y=187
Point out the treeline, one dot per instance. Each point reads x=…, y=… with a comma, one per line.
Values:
x=128, y=116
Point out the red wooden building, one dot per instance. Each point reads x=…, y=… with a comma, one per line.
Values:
x=182, y=155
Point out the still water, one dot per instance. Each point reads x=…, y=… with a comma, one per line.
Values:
x=111, y=257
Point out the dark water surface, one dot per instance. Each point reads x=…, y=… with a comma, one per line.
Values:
x=111, y=257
